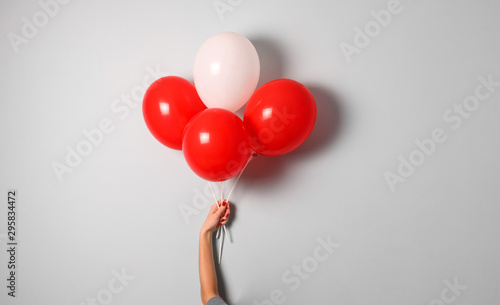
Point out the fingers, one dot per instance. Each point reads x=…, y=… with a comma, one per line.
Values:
x=228, y=211
x=219, y=211
x=214, y=208
x=225, y=217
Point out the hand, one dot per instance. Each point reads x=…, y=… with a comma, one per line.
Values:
x=216, y=217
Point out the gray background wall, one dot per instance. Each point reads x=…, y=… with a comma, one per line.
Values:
x=432, y=239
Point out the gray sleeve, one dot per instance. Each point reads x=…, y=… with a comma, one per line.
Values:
x=216, y=301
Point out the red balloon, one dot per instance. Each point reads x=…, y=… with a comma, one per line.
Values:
x=216, y=145
x=279, y=117
x=168, y=106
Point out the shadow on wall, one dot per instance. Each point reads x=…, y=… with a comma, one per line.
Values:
x=220, y=279
x=271, y=63
x=271, y=60
x=262, y=170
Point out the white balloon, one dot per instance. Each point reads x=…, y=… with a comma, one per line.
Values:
x=226, y=71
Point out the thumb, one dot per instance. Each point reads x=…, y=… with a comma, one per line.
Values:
x=214, y=208
x=220, y=211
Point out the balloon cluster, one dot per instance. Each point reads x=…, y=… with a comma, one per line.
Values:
x=200, y=119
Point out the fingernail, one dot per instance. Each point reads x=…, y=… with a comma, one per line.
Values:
x=220, y=224
x=223, y=203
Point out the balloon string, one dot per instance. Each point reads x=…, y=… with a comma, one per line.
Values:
x=226, y=231
x=231, y=191
x=218, y=232
x=219, y=229
x=217, y=202
x=221, y=241
x=213, y=193
x=239, y=175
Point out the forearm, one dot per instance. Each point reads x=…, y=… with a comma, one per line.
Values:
x=208, y=277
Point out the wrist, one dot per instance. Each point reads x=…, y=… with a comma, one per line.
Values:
x=206, y=233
